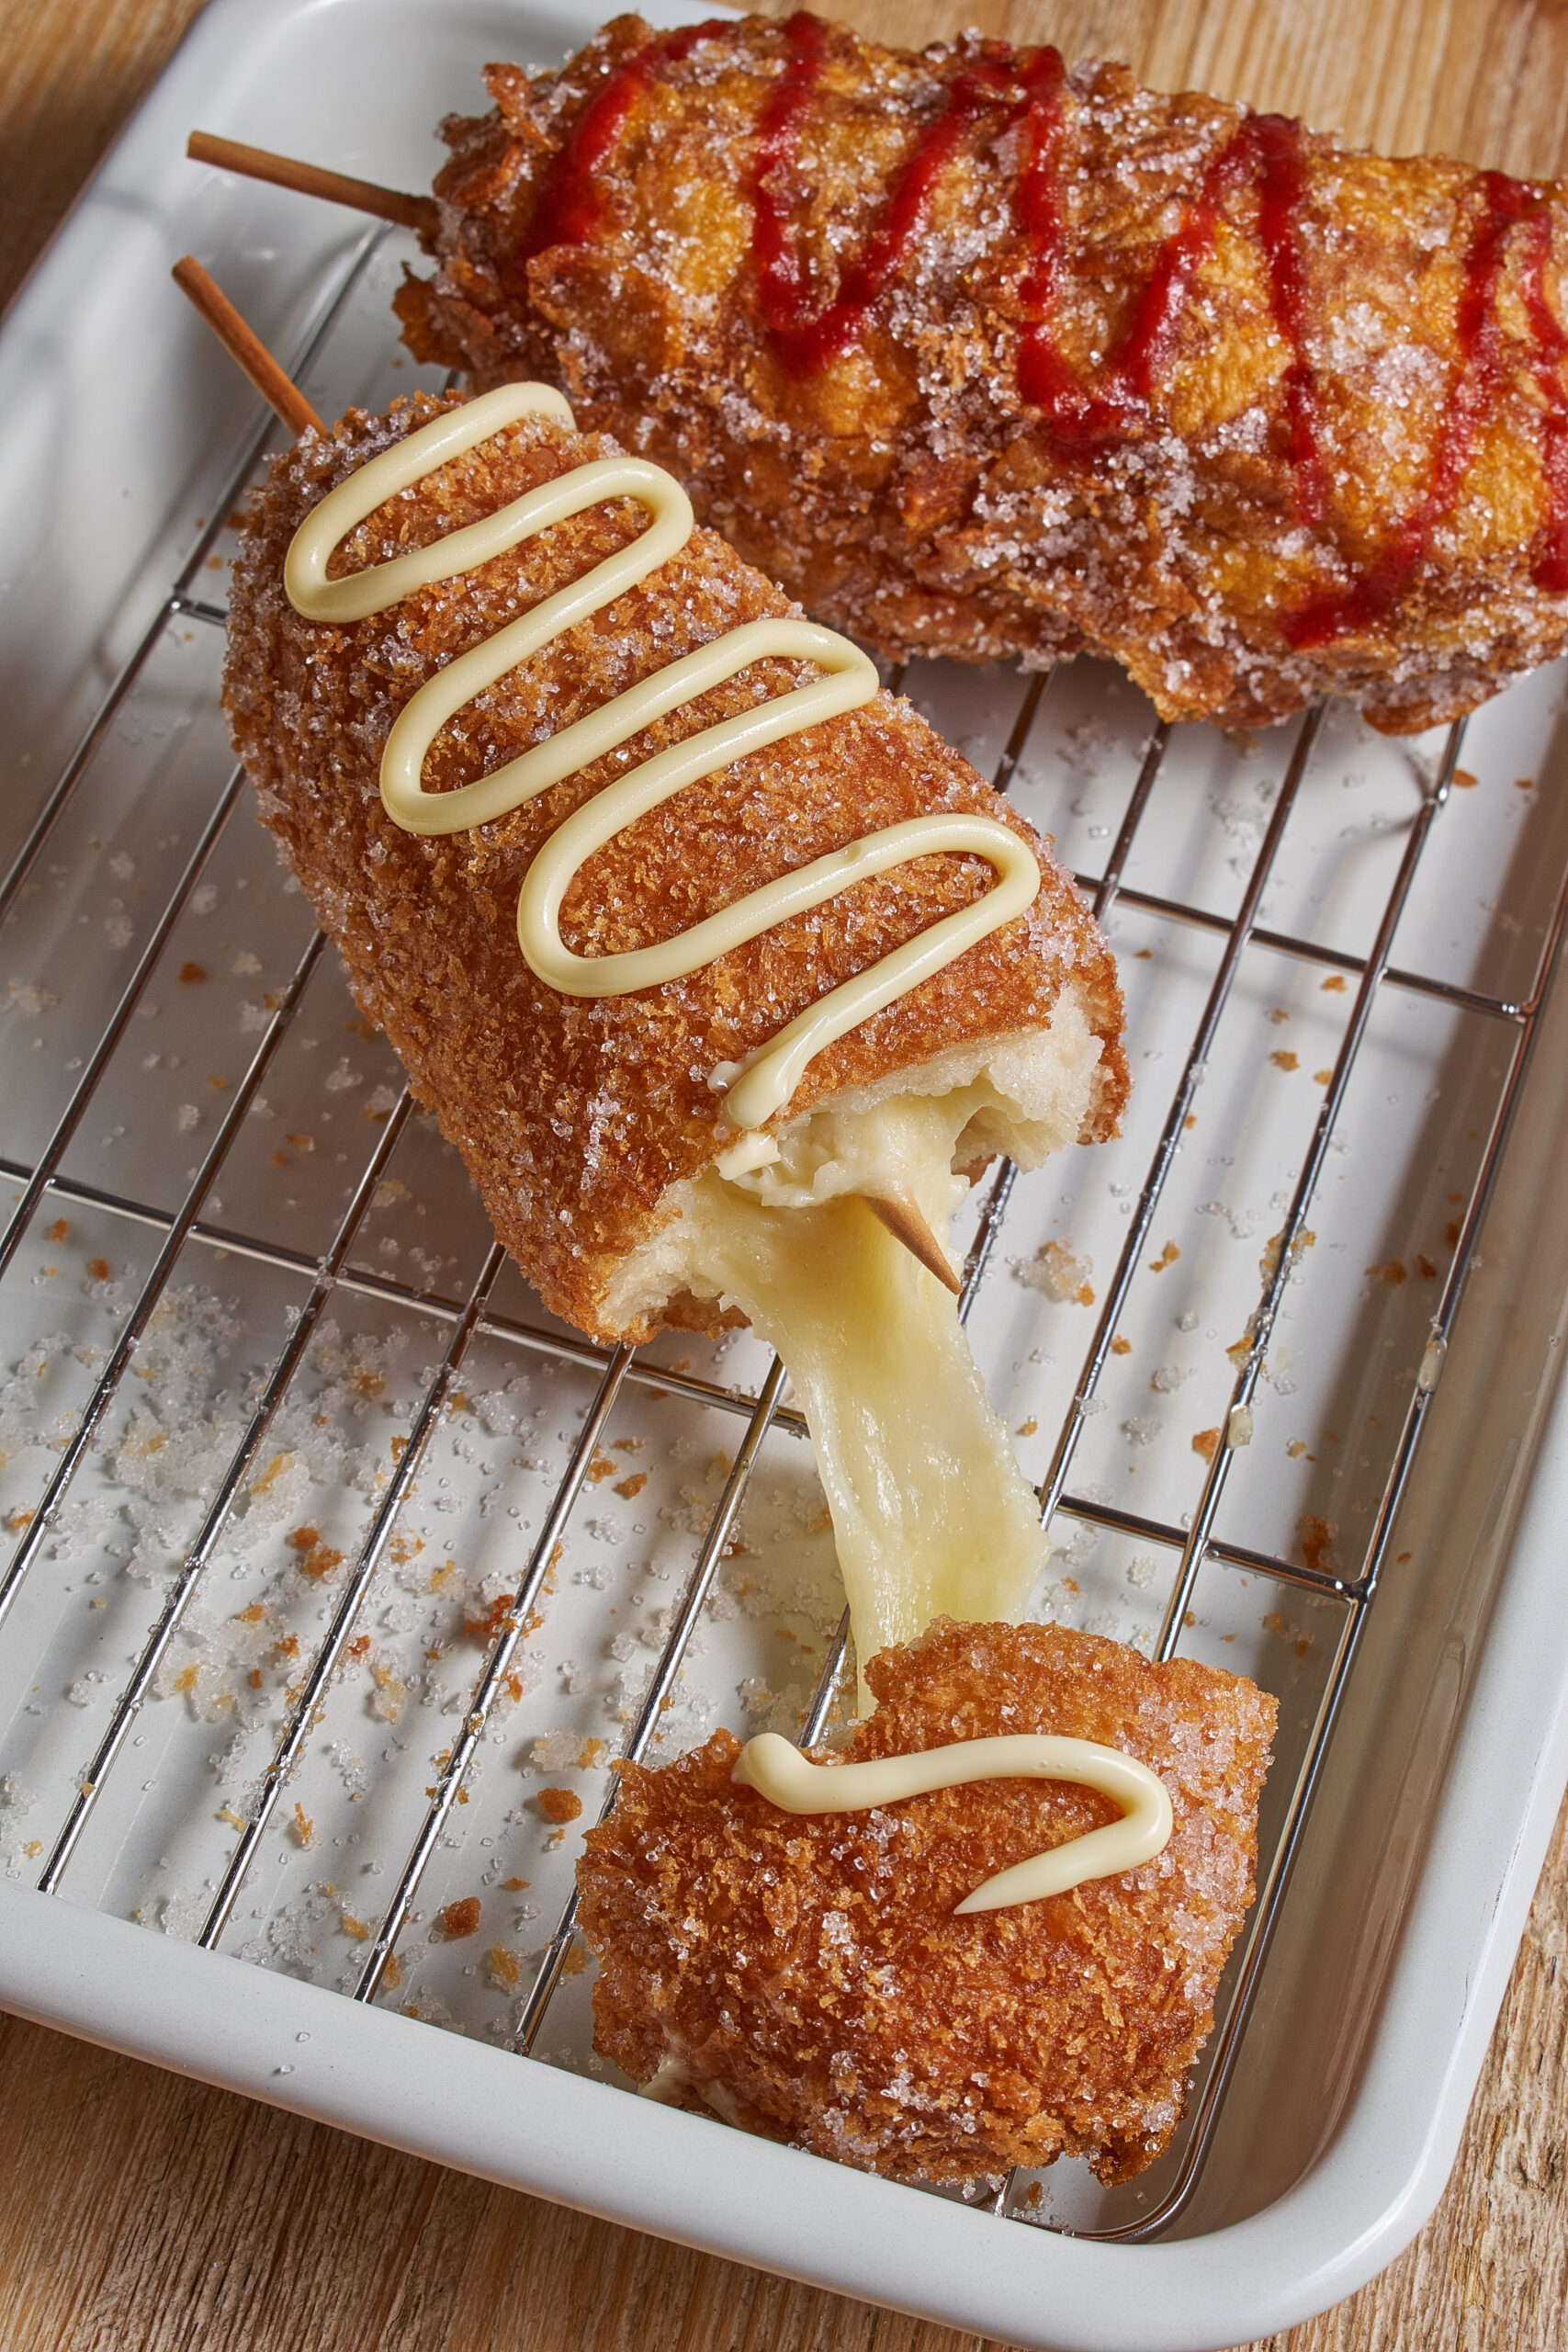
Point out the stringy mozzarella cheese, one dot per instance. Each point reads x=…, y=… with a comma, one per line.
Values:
x=931, y=1514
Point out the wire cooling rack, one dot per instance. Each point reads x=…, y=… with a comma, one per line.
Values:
x=342, y=1572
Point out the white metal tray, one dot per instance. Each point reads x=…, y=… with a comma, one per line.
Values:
x=277, y=1429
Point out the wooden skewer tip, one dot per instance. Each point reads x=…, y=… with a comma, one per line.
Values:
x=420, y=213
x=896, y=1211
x=904, y=1221
x=244, y=347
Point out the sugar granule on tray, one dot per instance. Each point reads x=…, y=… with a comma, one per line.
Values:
x=1056, y=1271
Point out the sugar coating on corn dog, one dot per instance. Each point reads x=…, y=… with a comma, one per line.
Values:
x=591, y=1125
x=813, y=1979
x=982, y=356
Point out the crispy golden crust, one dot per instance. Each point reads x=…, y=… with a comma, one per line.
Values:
x=810, y=1970
x=575, y=1115
x=915, y=491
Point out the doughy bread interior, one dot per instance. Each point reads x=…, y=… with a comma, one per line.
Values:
x=931, y=1513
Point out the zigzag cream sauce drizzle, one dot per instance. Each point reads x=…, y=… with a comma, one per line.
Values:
x=765, y=1081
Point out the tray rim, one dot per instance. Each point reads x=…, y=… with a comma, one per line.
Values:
x=387, y=2078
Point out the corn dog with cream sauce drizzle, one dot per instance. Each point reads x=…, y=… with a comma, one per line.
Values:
x=595, y=1126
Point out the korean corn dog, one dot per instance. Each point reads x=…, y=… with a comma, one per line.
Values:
x=599, y=1117
x=982, y=356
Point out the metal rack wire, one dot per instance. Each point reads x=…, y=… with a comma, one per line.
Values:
x=1194, y=1545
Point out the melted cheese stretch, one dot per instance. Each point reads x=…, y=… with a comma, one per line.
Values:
x=765, y=1083
x=789, y=1780
x=930, y=1516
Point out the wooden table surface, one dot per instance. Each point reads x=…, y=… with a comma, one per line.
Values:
x=141, y=2213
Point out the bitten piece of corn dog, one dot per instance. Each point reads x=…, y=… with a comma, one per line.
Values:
x=814, y=1979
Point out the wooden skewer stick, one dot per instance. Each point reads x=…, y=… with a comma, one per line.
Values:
x=421, y=213
x=904, y=1221
x=896, y=1211
x=245, y=346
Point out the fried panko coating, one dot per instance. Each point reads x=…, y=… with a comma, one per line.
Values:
x=575, y=1115
x=811, y=1979
x=978, y=357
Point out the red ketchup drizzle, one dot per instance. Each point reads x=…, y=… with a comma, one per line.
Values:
x=1281, y=189
x=1096, y=416
x=1508, y=203
x=780, y=287
x=804, y=341
x=1551, y=571
x=1077, y=416
x=1089, y=417
x=570, y=207
x=1156, y=322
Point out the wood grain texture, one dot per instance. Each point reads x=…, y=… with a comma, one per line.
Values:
x=1485, y=80
x=155, y=2214
x=142, y=2214
x=70, y=72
